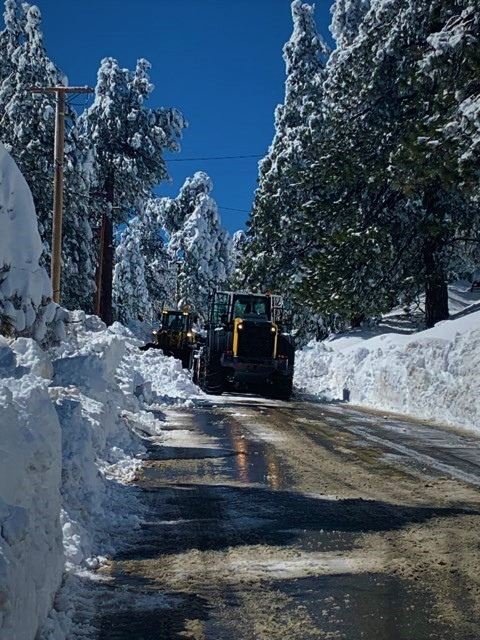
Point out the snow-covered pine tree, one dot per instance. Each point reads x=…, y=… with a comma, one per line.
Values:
x=27, y=128
x=26, y=121
x=401, y=205
x=197, y=242
x=79, y=250
x=130, y=293
x=10, y=39
x=342, y=273
x=347, y=17
x=143, y=244
x=128, y=141
x=237, y=280
x=160, y=269
x=277, y=230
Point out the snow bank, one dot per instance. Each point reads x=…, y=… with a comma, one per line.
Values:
x=164, y=380
x=431, y=375
x=25, y=288
x=31, y=550
x=70, y=426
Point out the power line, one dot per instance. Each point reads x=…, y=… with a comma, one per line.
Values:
x=213, y=158
x=230, y=209
x=76, y=104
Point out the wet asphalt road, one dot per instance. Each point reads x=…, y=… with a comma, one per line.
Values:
x=299, y=520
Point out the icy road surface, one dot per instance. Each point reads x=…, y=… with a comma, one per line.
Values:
x=272, y=520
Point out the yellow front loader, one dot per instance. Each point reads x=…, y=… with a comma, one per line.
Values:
x=175, y=335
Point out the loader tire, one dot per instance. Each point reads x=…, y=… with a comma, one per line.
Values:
x=211, y=374
x=185, y=355
x=281, y=388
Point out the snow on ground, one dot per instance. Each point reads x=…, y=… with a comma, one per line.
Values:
x=431, y=375
x=73, y=423
x=31, y=552
x=461, y=299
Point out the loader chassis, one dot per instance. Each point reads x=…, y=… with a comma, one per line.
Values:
x=245, y=347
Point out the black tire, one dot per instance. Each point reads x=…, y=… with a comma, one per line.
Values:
x=195, y=366
x=281, y=388
x=185, y=355
x=211, y=377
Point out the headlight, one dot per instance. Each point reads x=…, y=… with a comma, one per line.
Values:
x=154, y=332
x=240, y=326
x=272, y=329
x=189, y=334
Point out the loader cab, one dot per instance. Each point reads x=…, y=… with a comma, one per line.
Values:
x=227, y=306
x=175, y=321
x=257, y=308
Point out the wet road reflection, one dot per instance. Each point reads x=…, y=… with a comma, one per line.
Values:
x=240, y=445
x=236, y=548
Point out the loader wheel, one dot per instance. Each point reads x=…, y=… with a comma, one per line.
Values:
x=281, y=389
x=211, y=375
x=194, y=366
x=185, y=357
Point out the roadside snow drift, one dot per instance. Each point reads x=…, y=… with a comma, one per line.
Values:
x=31, y=549
x=72, y=425
x=432, y=375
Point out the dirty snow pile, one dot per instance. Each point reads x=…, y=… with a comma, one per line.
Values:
x=73, y=423
x=432, y=374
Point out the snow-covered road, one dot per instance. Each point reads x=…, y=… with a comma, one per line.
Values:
x=298, y=520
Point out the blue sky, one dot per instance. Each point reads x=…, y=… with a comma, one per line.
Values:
x=218, y=61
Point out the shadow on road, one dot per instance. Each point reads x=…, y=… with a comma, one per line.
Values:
x=188, y=453
x=366, y=602
x=215, y=517
x=207, y=518
x=155, y=623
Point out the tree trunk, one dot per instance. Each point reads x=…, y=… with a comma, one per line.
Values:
x=436, y=291
x=356, y=320
x=103, y=299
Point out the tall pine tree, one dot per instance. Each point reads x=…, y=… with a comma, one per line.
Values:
x=128, y=140
x=145, y=274
x=277, y=224
x=131, y=300
x=237, y=279
x=389, y=95
x=198, y=243
x=27, y=124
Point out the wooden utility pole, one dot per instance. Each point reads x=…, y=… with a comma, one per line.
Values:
x=58, y=179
